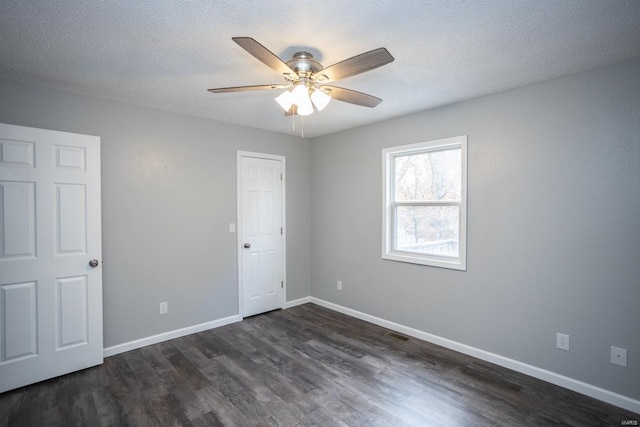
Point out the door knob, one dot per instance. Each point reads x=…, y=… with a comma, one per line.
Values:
x=93, y=263
x=247, y=245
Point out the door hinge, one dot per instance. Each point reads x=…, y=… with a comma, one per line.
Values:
x=280, y=177
x=281, y=231
x=282, y=285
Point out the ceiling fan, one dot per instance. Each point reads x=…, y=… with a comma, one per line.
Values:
x=307, y=78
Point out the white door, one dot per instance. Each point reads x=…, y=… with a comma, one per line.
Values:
x=50, y=297
x=261, y=234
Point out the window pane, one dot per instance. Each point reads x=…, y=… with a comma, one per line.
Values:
x=428, y=176
x=428, y=229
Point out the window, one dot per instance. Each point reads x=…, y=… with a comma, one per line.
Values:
x=425, y=203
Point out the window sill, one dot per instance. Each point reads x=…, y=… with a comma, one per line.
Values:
x=452, y=264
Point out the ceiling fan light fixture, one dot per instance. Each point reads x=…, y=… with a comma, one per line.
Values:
x=306, y=108
x=300, y=94
x=320, y=99
x=285, y=100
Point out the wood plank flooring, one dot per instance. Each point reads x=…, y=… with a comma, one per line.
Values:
x=300, y=367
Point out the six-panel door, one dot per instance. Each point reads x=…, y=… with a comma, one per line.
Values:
x=50, y=228
x=261, y=206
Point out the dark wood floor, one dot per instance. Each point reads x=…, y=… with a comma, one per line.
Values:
x=302, y=366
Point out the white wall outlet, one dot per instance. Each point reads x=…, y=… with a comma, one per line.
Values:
x=164, y=308
x=232, y=227
x=619, y=356
x=339, y=285
x=562, y=341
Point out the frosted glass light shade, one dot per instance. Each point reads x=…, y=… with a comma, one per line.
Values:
x=285, y=100
x=300, y=95
x=305, y=108
x=320, y=99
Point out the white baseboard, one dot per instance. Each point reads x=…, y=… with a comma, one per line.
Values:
x=533, y=371
x=295, y=302
x=165, y=336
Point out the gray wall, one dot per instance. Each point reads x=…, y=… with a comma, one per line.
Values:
x=553, y=226
x=168, y=196
x=554, y=219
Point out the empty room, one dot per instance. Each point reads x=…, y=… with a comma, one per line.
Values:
x=332, y=213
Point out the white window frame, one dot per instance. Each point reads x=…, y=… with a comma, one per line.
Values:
x=389, y=205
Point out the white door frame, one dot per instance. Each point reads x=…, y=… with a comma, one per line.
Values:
x=239, y=230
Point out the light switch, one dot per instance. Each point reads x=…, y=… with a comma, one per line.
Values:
x=232, y=227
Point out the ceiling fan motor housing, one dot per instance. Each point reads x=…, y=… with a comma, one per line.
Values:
x=304, y=65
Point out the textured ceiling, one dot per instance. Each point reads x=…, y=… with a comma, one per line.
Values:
x=166, y=53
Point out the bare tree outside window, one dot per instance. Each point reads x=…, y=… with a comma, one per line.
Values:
x=428, y=177
x=424, y=199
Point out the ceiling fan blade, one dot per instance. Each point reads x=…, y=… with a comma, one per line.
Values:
x=247, y=88
x=264, y=55
x=351, y=96
x=355, y=65
x=292, y=111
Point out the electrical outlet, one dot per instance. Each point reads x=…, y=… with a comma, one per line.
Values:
x=562, y=341
x=619, y=356
x=339, y=285
x=164, y=308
